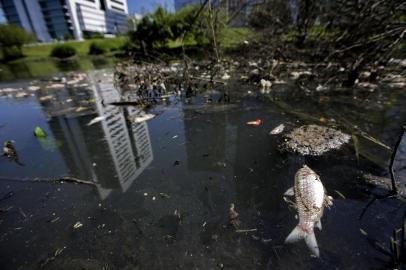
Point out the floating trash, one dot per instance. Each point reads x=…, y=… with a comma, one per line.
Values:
x=257, y=122
x=39, y=132
x=315, y=140
x=77, y=225
x=142, y=118
x=279, y=129
x=96, y=120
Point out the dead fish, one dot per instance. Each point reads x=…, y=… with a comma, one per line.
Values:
x=277, y=130
x=311, y=199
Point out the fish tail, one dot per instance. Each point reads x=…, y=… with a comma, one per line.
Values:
x=310, y=239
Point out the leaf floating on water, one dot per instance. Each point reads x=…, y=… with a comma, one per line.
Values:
x=39, y=132
x=77, y=225
x=279, y=129
x=340, y=194
x=164, y=195
x=363, y=232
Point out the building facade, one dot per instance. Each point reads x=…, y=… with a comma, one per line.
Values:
x=59, y=19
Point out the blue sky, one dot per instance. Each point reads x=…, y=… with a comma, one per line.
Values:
x=145, y=6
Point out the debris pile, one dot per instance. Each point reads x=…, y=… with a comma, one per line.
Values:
x=315, y=140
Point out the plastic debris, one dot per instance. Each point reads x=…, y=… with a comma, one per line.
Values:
x=45, y=98
x=39, y=132
x=77, y=225
x=21, y=95
x=142, y=118
x=279, y=129
x=225, y=76
x=96, y=120
x=265, y=86
x=363, y=232
x=257, y=122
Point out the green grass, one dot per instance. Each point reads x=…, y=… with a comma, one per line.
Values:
x=42, y=51
x=229, y=38
x=232, y=37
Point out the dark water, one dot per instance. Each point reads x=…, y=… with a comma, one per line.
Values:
x=164, y=187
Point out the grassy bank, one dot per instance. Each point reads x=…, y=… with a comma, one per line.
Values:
x=43, y=51
x=229, y=38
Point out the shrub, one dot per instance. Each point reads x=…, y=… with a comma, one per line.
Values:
x=63, y=51
x=12, y=38
x=97, y=48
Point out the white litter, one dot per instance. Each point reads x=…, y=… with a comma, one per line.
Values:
x=96, y=120
x=277, y=130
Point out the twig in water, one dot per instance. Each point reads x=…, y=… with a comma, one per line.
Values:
x=49, y=180
x=245, y=231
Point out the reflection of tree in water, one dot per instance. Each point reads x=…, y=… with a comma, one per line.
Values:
x=68, y=65
x=100, y=62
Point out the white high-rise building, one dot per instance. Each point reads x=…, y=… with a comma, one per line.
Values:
x=58, y=19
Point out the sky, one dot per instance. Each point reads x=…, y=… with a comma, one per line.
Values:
x=146, y=6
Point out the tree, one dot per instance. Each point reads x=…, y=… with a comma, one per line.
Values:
x=12, y=39
x=153, y=30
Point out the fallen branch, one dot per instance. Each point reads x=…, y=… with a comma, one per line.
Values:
x=49, y=180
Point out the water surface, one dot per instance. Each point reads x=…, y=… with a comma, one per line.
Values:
x=163, y=188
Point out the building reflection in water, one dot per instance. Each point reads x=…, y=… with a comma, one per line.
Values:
x=129, y=143
x=114, y=152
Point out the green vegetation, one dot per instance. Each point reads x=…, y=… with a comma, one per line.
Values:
x=170, y=30
x=12, y=39
x=35, y=52
x=97, y=48
x=63, y=51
